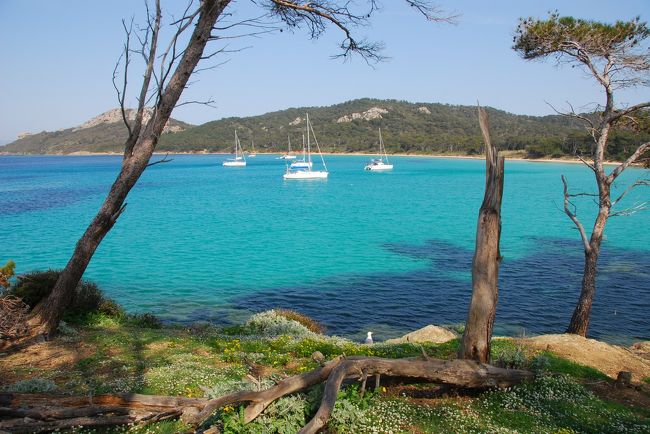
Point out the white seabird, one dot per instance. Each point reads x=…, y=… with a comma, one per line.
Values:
x=368, y=338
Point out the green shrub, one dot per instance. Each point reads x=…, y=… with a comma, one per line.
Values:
x=509, y=356
x=310, y=323
x=6, y=273
x=35, y=286
x=145, y=320
x=110, y=308
x=269, y=323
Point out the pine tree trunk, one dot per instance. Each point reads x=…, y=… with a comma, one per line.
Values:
x=580, y=318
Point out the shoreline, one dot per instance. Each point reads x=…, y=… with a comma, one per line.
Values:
x=353, y=154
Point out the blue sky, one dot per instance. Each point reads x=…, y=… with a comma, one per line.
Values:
x=58, y=58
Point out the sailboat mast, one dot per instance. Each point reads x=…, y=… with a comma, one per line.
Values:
x=382, y=147
x=308, y=144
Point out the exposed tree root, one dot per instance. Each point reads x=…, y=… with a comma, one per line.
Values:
x=38, y=412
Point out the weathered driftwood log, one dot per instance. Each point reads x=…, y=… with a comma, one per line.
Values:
x=460, y=373
x=29, y=425
x=37, y=413
x=25, y=412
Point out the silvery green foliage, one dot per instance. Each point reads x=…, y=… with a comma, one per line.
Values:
x=34, y=385
x=349, y=416
x=268, y=323
x=510, y=357
x=286, y=415
x=229, y=386
x=66, y=330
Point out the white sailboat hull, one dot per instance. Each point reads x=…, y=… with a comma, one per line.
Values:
x=239, y=160
x=288, y=157
x=379, y=167
x=234, y=163
x=306, y=174
x=301, y=165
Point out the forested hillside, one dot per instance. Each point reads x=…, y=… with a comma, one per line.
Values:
x=406, y=128
x=417, y=128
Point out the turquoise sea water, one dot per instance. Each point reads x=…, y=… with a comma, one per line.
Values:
x=360, y=251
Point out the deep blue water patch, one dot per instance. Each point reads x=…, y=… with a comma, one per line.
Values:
x=27, y=200
x=537, y=293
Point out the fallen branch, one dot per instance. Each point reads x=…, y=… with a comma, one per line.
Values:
x=27, y=412
x=459, y=373
x=40, y=412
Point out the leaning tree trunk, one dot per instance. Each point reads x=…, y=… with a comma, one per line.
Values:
x=485, y=265
x=580, y=319
x=46, y=316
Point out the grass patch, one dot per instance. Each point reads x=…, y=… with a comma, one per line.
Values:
x=550, y=362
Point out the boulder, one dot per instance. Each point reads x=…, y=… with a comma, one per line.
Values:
x=641, y=349
x=430, y=333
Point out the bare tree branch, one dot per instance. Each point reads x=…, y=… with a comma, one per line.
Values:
x=638, y=183
x=576, y=115
x=617, y=114
x=586, y=163
x=316, y=14
x=166, y=66
x=208, y=103
x=432, y=12
x=121, y=94
x=146, y=80
x=630, y=160
x=572, y=215
x=161, y=161
x=631, y=210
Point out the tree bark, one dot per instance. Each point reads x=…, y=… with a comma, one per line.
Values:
x=580, y=318
x=477, y=336
x=579, y=323
x=47, y=315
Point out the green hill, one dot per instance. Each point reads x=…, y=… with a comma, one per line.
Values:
x=104, y=133
x=406, y=128
x=422, y=128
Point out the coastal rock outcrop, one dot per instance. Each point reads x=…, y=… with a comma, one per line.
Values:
x=115, y=115
x=428, y=333
x=371, y=113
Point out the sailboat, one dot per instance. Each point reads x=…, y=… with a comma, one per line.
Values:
x=252, y=153
x=307, y=172
x=302, y=163
x=381, y=163
x=288, y=155
x=239, y=160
